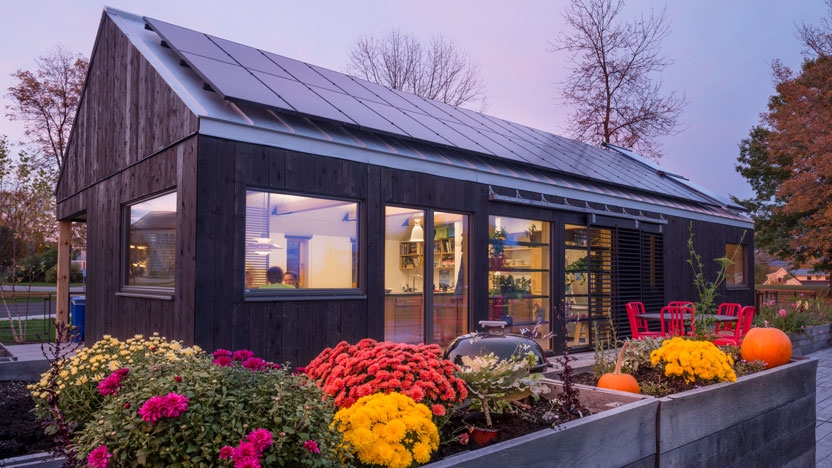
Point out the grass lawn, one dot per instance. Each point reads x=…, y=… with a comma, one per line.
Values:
x=34, y=327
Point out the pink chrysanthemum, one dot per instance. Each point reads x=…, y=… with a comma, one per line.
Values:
x=261, y=438
x=99, y=457
x=312, y=446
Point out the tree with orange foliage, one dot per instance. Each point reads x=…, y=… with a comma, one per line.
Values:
x=789, y=161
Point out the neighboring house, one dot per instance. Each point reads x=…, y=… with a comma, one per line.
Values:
x=404, y=219
x=798, y=277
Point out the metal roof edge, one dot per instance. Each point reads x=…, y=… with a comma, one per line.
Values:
x=242, y=132
x=718, y=200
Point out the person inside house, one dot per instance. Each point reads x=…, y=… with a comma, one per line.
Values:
x=291, y=279
x=274, y=276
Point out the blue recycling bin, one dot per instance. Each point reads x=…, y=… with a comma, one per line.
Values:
x=77, y=309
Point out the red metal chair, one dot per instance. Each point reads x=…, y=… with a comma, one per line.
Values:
x=674, y=322
x=639, y=327
x=744, y=319
x=728, y=309
x=681, y=304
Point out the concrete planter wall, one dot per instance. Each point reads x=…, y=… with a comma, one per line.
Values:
x=812, y=339
x=625, y=426
x=764, y=419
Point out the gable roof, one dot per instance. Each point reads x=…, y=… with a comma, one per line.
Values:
x=247, y=94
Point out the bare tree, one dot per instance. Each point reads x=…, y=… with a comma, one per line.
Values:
x=438, y=71
x=612, y=88
x=46, y=100
x=818, y=39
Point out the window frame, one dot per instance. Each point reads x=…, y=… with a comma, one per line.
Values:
x=132, y=290
x=744, y=257
x=306, y=294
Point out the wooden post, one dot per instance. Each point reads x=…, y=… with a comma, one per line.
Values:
x=62, y=294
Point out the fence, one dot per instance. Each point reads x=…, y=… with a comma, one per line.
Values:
x=37, y=309
x=783, y=295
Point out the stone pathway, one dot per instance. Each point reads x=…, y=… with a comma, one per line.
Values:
x=823, y=428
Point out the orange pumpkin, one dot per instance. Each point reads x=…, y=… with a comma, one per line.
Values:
x=617, y=380
x=770, y=345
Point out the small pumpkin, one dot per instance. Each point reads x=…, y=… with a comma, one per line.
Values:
x=618, y=381
x=770, y=345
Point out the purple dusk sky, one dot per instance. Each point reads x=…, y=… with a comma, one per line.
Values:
x=723, y=52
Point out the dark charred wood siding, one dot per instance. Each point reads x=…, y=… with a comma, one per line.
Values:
x=127, y=113
x=130, y=140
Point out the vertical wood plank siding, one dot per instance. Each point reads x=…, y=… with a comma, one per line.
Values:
x=126, y=118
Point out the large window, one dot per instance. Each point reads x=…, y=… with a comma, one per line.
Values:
x=151, y=243
x=518, y=276
x=735, y=274
x=588, y=284
x=296, y=243
x=425, y=276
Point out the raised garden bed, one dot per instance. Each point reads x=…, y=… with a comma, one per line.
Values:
x=764, y=419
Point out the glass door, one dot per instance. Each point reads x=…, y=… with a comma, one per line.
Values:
x=518, y=276
x=425, y=276
x=588, y=284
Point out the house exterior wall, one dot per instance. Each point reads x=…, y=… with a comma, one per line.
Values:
x=297, y=330
x=132, y=138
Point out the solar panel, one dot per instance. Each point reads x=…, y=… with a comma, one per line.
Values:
x=301, y=98
x=401, y=120
x=357, y=111
x=301, y=71
x=248, y=75
x=234, y=82
x=186, y=40
x=250, y=58
x=346, y=83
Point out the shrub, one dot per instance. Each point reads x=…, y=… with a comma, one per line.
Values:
x=795, y=316
x=349, y=372
x=155, y=403
x=694, y=360
x=78, y=377
x=388, y=430
x=190, y=412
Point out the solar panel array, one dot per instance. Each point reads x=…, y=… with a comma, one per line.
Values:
x=249, y=75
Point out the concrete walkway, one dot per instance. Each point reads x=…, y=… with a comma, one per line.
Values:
x=823, y=428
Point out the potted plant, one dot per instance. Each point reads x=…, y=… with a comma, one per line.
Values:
x=496, y=248
x=533, y=233
x=494, y=384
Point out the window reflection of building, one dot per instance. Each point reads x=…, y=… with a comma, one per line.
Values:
x=151, y=253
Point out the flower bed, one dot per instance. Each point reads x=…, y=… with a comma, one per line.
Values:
x=762, y=419
x=811, y=339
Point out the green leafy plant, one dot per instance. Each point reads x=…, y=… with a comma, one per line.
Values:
x=708, y=290
x=794, y=316
x=494, y=383
x=155, y=403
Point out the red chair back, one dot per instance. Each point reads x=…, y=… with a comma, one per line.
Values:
x=747, y=319
x=729, y=309
x=673, y=320
x=681, y=304
x=734, y=337
x=638, y=327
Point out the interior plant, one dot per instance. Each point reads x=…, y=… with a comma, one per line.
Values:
x=348, y=372
x=496, y=247
x=388, y=429
x=494, y=383
x=533, y=233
